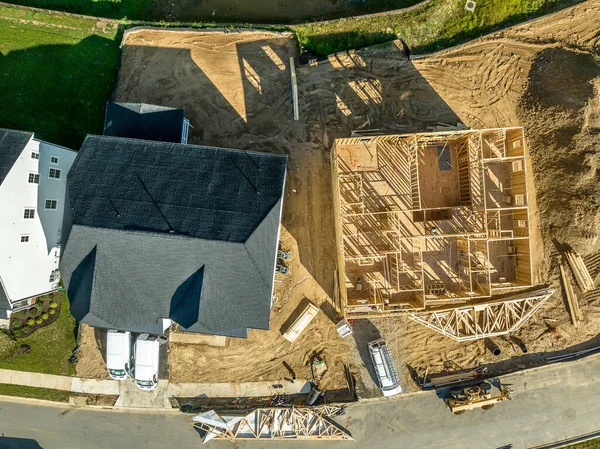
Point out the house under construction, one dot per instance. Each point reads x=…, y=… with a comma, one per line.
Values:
x=430, y=220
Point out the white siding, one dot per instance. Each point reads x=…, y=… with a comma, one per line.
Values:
x=25, y=268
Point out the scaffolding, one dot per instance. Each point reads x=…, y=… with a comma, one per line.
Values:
x=430, y=219
x=302, y=423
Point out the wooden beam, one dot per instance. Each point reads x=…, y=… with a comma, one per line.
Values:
x=294, y=89
x=582, y=275
x=569, y=294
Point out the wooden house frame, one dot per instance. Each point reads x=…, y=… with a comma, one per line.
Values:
x=429, y=220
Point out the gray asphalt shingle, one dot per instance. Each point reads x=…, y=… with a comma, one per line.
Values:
x=193, y=241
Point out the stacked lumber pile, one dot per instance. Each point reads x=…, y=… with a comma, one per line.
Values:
x=582, y=275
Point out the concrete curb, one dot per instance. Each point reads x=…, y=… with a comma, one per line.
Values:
x=66, y=405
x=20, y=400
x=518, y=373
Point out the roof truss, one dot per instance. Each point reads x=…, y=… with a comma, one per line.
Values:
x=483, y=320
x=303, y=423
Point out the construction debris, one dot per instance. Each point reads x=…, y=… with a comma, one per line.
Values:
x=471, y=322
x=302, y=423
x=344, y=328
x=582, y=275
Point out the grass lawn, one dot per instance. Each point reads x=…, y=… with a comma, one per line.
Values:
x=56, y=74
x=440, y=24
x=591, y=444
x=37, y=393
x=51, y=347
x=268, y=11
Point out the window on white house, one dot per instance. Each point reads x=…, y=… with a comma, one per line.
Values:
x=51, y=204
x=35, y=155
x=29, y=213
x=53, y=160
x=34, y=178
x=24, y=238
x=54, y=173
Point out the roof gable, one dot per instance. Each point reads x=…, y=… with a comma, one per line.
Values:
x=12, y=144
x=128, y=280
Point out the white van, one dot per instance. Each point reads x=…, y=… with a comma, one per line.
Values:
x=118, y=354
x=384, y=368
x=146, y=362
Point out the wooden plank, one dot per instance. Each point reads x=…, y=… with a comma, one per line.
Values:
x=569, y=293
x=580, y=271
x=294, y=89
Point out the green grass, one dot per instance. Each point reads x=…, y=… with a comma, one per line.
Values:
x=591, y=444
x=36, y=393
x=440, y=24
x=270, y=11
x=56, y=74
x=51, y=347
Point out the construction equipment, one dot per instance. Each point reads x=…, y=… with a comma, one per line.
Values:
x=476, y=396
x=455, y=378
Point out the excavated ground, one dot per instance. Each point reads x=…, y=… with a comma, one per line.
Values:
x=543, y=75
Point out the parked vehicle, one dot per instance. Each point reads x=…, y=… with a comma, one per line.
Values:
x=385, y=369
x=146, y=362
x=118, y=354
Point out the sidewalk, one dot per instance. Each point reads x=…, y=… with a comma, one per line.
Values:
x=131, y=396
x=65, y=383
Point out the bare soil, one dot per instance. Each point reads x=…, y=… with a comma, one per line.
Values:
x=91, y=361
x=544, y=75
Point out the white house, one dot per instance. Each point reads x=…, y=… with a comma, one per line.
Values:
x=32, y=194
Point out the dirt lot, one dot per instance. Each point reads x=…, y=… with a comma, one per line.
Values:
x=91, y=361
x=235, y=88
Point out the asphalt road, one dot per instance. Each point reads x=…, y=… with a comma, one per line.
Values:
x=550, y=404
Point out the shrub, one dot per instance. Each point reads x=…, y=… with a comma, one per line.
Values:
x=39, y=304
x=53, y=304
x=38, y=320
x=44, y=316
x=30, y=321
x=17, y=332
x=52, y=311
x=19, y=314
x=25, y=329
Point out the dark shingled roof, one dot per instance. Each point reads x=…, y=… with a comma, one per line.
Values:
x=143, y=121
x=124, y=269
x=11, y=145
x=202, y=192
